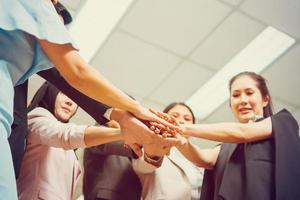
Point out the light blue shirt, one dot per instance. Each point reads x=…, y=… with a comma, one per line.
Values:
x=21, y=23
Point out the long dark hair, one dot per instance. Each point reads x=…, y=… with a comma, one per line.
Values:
x=172, y=105
x=261, y=84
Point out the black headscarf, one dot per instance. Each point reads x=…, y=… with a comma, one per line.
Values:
x=45, y=97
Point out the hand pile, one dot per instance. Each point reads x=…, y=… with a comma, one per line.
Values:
x=161, y=129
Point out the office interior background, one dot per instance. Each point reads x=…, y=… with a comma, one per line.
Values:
x=160, y=51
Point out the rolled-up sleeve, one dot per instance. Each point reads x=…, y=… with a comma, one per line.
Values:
x=44, y=128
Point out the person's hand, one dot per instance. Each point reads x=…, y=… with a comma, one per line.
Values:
x=161, y=129
x=182, y=139
x=136, y=133
x=155, y=150
x=149, y=115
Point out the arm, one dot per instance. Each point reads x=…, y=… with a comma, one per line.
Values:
x=141, y=166
x=231, y=132
x=113, y=148
x=152, y=158
x=205, y=158
x=45, y=129
x=89, y=81
x=137, y=132
x=85, y=78
x=92, y=107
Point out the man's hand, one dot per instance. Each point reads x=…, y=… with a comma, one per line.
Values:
x=136, y=133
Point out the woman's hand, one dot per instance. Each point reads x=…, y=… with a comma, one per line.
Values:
x=136, y=133
x=156, y=150
x=150, y=115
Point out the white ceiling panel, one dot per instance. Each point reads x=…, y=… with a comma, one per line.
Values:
x=283, y=77
x=282, y=14
x=227, y=40
x=177, y=25
x=132, y=65
x=181, y=83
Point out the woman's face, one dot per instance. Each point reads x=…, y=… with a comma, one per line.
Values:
x=181, y=114
x=246, y=100
x=64, y=107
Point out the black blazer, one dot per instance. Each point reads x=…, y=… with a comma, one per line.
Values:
x=17, y=139
x=108, y=173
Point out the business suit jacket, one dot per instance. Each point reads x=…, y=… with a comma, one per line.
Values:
x=108, y=173
x=17, y=139
x=50, y=169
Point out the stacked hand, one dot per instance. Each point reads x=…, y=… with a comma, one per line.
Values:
x=154, y=150
x=154, y=129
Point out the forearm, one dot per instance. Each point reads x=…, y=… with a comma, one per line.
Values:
x=117, y=114
x=231, y=132
x=90, y=80
x=85, y=78
x=205, y=158
x=100, y=135
x=140, y=166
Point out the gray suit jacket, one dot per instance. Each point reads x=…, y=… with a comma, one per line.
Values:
x=108, y=173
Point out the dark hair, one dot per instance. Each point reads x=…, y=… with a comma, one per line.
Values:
x=261, y=84
x=172, y=105
x=62, y=10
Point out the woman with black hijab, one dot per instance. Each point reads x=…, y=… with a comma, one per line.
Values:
x=50, y=169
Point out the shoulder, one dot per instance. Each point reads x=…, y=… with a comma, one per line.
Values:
x=35, y=17
x=284, y=116
x=40, y=112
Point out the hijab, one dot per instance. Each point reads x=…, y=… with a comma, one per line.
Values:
x=45, y=97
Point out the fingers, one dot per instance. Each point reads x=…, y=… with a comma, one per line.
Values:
x=163, y=119
x=167, y=120
x=165, y=116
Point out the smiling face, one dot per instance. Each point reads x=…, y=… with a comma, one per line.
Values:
x=182, y=114
x=246, y=100
x=64, y=107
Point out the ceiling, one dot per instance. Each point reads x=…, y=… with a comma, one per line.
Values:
x=164, y=50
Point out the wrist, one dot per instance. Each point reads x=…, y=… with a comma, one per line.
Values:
x=118, y=115
x=183, y=145
x=135, y=108
x=155, y=162
x=184, y=130
x=120, y=135
x=151, y=156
